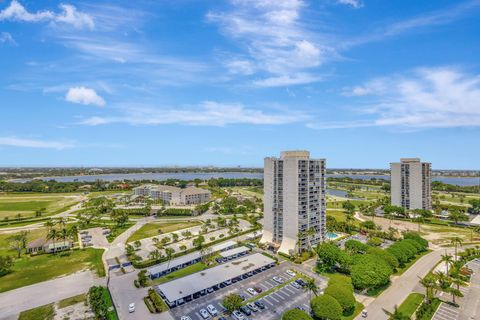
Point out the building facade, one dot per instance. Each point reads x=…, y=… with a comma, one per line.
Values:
x=411, y=184
x=294, y=201
x=173, y=195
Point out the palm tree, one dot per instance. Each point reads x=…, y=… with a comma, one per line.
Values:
x=310, y=233
x=169, y=253
x=456, y=241
x=455, y=293
x=430, y=285
x=395, y=315
x=311, y=287
x=53, y=235
x=49, y=224
x=448, y=259
x=63, y=234
x=155, y=255
x=73, y=232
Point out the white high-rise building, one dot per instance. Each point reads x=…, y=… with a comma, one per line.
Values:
x=294, y=201
x=411, y=184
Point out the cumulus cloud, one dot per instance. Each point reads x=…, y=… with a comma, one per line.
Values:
x=31, y=143
x=84, y=95
x=69, y=15
x=353, y=3
x=424, y=98
x=208, y=113
x=276, y=43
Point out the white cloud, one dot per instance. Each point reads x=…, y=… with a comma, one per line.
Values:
x=425, y=98
x=286, y=80
x=6, y=37
x=69, y=15
x=353, y=3
x=84, y=95
x=208, y=113
x=30, y=143
x=275, y=42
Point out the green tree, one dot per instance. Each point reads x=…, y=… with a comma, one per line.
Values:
x=325, y=307
x=369, y=271
x=457, y=215
x=328, y=255
x=198, y=241
x=6, y=264
x=232, y=302
x=430, y=285
x=344, y=296
x=349, y=207
x=296, y=314
x=311, y=287
x=448, y=259
x=169, y=254
x=53, y=235
x=456, y=241
x=96, y=300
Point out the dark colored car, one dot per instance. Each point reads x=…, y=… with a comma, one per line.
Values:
x=259, y=304
x=301, y=282
x=245, y=310
x=258, y=289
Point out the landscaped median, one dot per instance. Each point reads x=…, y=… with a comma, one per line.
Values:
x=411, y=304
x=154, y=302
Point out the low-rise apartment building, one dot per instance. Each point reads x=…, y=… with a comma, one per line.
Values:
x=173, y=195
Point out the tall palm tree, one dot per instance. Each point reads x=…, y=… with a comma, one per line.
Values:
x=53, y=235
x=49, y=224
x=169, y=253
x=448, y=259
x=455, y=293
x=430, y=285
x=63, y=234
x=456, y=241
x=395, y=315
x=310, y=233
x=311, y=287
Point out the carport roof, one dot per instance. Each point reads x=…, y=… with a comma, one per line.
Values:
x=234, y=251
x=159, y=268
x=188, y=285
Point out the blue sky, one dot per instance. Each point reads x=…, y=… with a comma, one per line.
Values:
x=150, y=83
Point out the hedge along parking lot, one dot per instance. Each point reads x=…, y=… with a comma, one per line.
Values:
x=276, y=302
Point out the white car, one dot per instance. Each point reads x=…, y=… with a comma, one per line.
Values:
x=291, y=273
x=278, y=279
x=213, y=311
x=238, y=315
x=131, y=307
x=252, y=291
x=204, y=314
x=252, y=307
x=185, y=318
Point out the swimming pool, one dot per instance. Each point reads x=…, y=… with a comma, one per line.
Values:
x=332, y=235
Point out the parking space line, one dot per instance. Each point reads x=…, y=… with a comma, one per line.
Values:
x=267, y=301
x=273, y=298
x=278, y=296
x=289, y=288
x=282, y=292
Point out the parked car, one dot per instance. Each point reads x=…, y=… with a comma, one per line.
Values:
x=259, y=304
x=238, y=315
x=252, y=307
x=204, y=314
x=291, y=273
x=278, y=279
x=228, y=282
x=212, y=310
x=301, y=282
x=364, y=313
x=185, y=318
x=296, y=285
x=258, y=289
x=252, y=291
x=245, y=310
x=131, y=307
x=210, y=290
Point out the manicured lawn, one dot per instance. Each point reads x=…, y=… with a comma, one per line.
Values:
x=30, y=270
x=112, y=315
x=71, y=301
x=26, y=204
x=180, y=273
x=152, y=229
x=45, y=312
x=411, y=304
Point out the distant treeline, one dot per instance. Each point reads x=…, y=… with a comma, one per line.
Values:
x=440, y=186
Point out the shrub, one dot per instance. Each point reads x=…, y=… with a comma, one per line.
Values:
x=386, y=256
x=355, y=246
x=325, y=307
x=344, y=296
x=415, y=236
x=160, y=305
x=296, y=314
x=149, y=305
x=375, y=241
x=328, y=255
x=232, y=302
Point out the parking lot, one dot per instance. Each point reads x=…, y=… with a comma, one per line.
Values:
x=275, y=303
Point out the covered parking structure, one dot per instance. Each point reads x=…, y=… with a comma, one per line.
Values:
x=176, y=292
x=181, y=262
x=234, y=253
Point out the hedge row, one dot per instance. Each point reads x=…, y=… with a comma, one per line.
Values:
x=158, y=303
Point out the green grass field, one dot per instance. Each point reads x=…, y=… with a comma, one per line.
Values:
x=24, y=205
x=45, y=312
x=30, y=270
x=180, y=273
x=71, y=301
x=411, y=304
x=151, y=229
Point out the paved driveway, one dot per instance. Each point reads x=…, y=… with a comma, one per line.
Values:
x=15, y=301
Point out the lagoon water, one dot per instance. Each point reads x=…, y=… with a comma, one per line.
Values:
x=460, y=181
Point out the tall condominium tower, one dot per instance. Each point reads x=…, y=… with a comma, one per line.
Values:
x=411, y=182
x=294, y=201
